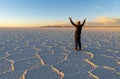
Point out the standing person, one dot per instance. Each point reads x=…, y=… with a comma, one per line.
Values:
x=78, y=30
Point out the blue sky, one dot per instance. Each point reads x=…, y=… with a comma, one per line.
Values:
x=56, y=12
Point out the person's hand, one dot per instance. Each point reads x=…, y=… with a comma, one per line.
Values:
x=70, y=18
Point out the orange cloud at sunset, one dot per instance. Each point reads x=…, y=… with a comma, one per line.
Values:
x=107, y=21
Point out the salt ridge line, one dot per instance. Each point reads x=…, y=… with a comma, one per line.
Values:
x=23, y=75
x=53, y=51
x=57, y=71
x=92, y=75
x=7, y=54
x=37, y=49
x=89, y=53
x=109, y=50
x=41, y=60
x=65, y=58
x=98, y=44
x=27, y=42
x=118, y=62
x=66, y=50
x=12, y=64
x=91, y=63
x=110, y=57
x=110, y=68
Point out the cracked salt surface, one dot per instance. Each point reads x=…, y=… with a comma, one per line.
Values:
x=47, y=53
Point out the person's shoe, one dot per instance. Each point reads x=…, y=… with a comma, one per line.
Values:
x=75, y=49
x=80, y=49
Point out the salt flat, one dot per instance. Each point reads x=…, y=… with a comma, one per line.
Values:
x=47, y=53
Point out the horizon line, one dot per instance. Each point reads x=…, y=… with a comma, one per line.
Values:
x=61, y=26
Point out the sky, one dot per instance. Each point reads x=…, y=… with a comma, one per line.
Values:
x=33, y=13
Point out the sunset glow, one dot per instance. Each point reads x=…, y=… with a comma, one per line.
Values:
x=29, y=13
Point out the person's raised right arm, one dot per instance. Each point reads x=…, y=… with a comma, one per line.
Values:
x=72, y=21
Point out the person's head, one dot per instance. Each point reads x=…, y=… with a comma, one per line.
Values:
x=78, y=23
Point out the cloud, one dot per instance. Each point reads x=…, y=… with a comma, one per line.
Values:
x=103, y=20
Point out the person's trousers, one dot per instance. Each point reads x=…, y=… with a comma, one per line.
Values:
x=78, y=42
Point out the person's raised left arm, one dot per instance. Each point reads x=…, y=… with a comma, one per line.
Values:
x=83, y=22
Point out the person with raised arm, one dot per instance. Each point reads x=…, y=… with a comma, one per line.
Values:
x=78, y=30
